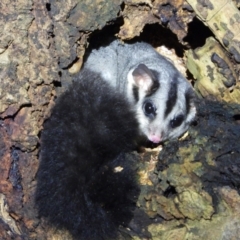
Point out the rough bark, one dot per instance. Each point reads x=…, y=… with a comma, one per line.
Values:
x=190, y=190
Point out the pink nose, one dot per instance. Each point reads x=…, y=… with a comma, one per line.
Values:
x=154, y=139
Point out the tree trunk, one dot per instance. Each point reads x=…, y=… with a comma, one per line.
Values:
x=188, y=191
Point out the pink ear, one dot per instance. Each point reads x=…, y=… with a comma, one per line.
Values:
x=143, y=77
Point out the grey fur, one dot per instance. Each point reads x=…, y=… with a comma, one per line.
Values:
x=117, y=64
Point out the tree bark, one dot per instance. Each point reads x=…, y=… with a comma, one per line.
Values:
x=190, y=190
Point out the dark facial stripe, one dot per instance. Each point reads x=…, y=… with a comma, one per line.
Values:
x=172, y=96
x=135, y=93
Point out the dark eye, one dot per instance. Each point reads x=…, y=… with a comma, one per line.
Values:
x=149, y=109
x=177, y=121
